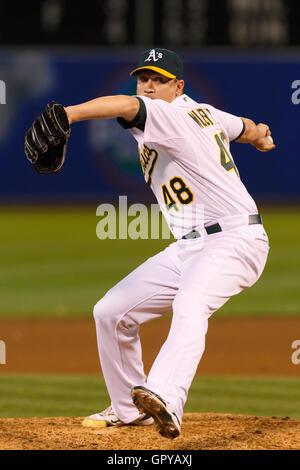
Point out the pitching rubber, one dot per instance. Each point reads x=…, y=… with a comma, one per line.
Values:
x=94, y=423
x=150, y=403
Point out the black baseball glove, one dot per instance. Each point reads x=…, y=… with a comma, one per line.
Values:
x=46, y=140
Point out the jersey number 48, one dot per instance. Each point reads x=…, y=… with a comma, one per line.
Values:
x=182, y=193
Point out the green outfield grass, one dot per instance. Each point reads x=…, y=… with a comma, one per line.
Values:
x=52, y=263
x=47, y=395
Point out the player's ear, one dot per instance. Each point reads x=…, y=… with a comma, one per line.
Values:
x=179, y=87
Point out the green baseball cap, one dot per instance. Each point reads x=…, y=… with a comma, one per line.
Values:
x=162, y=61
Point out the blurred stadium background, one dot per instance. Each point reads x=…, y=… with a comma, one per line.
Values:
x=241, y=56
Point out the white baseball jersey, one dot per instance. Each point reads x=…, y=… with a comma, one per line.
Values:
x=185, y=157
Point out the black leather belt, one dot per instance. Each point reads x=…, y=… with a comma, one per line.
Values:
x=215, y=228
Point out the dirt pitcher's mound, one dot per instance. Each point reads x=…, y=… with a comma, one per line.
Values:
x=199, y=432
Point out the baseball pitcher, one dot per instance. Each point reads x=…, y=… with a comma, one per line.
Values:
x=221, y=245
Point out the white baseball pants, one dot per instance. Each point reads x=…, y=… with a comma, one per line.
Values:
x=193, y=278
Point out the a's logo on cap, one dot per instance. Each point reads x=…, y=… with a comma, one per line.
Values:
x=154, y=56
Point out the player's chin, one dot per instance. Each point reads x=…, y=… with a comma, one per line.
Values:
x=267, y=149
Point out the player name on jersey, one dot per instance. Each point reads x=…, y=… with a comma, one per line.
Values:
x=200, y=117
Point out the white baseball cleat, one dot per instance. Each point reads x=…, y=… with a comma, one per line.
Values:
x=165, y=419
x=107, y=418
